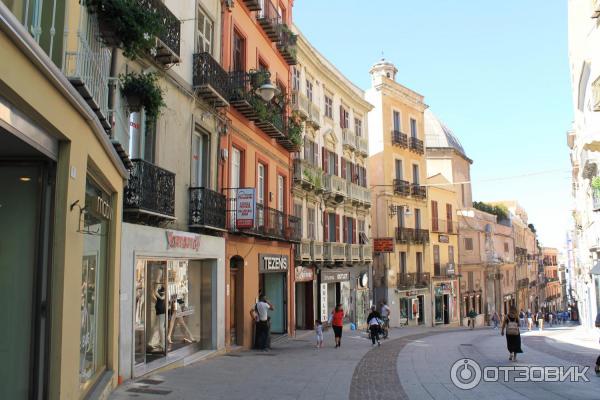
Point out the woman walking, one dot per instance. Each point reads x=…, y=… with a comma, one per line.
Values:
x=513, y=335
x=374, y=321
x=337, y=322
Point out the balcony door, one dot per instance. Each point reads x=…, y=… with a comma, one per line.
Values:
x=201, y=160
x=280, y=203
x=413, y=128
x=417, y=218
x=415, y=174
x=396, y=121
x=399, y=174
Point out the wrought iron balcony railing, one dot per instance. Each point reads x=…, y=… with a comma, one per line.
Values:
x=316, y=250
x=418, y=191
x=333, y=251
x=352, y=252
x=210, y=80
x=414, y=280
x=442, y=226
x=287, y=44
x=401, y=187
x=307, y=175
x=416, y=145
x=269, y=19
x=443, y=270
x=421, y=236
x=267, y=222
x=253, y=5
x=412, y=235
x=168, y=42
x=149, y=195
x=399, y=139
x=207, y=208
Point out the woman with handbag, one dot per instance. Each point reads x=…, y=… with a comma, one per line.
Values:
x=513, y=335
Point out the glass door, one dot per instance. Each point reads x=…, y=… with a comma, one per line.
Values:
x=139, y=323
x=275, y=292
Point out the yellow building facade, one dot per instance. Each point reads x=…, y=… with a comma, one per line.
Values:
x=397, y=176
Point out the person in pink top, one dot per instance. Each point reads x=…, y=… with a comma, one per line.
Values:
x=337, y=322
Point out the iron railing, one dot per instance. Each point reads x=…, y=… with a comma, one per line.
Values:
x=207, y=208
x=170, y=36
x=150, y=189
x=442, y=226
x=399, y=138
x=412, y=235
x=416, y=145
x=210, y=80
x=287, y=44
x=269, y=19
x=418, y=191
x=413, y=280
x=401, y=187
x=442, y=270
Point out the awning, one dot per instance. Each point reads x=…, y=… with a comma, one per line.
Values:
x=596, y=269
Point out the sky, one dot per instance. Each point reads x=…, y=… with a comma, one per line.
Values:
x=495, y=72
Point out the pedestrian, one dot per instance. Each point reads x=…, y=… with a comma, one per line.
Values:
x=513, y=335
x=550, y=318
x=319, y=333
x=260, y=315
x=337, y=323
x=472, y=315
x=540, y=320
x=495, y=319
x=522, y=318
x=529, y=319
x=385, y=317
x=374, y=321
x=597, y=367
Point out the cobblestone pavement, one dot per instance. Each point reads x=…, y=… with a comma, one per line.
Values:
x=414, y=363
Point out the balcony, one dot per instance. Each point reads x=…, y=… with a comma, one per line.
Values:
x=335, y=186
x=334, y=251
x=416, y=145
x=421, y=236
x=287, y=44
x=595, y=8
x=411, y=235
x=314, y=116
x=316, y=250
x=88, y=68
x=168, y=42
x=443, y=271
x=362, y=145
x=149, y=196
x=269, y=19
x=303, y=250
x=307, y=175
x=366, y=252
x=442, y=226
x=252, y=5
x=413, y=280
x=596, y=93
x=268, y=223
x=348, y=139
x=401, y=187
x=359, y=195
x=418, y=192
x=352, y=252
x=207, y=209
x=399, y=139
x=300, y=104
x=210, y=81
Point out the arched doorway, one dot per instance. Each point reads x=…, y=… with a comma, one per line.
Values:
x=236, y=299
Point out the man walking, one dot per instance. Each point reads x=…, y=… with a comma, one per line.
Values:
x=472, y=315
x=522, y=318
x=529, y=319
x=540, y=320
x=385, y=317
x=261, y=317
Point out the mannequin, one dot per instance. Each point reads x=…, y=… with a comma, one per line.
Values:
x=175, y=320
x=157, y=339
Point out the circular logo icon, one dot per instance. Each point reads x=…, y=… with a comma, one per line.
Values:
x=465, y=374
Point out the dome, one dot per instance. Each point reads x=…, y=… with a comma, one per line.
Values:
x=438, y=135
x=384, y=68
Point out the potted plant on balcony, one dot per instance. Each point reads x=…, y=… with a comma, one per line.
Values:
x=142, y=90
x=294, y=131
x=127, y=24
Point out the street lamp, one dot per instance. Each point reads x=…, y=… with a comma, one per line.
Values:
x=267, y=91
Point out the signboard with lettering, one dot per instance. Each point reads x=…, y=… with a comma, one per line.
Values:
x=323, y=292
x=183, y=240
x=304, y=274
x=444, y=238
x=272, y=263
x=334, y=276
x=383, y=245
x=245, y=206
x=450, y=269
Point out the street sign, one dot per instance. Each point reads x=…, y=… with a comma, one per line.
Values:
x=383, y=245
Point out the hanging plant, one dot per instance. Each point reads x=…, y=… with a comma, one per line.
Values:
x=142, y=90
x=295, y=131
x=127, y=24
x=596, y=183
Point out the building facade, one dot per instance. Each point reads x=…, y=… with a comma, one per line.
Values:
x=397, y=175
x=330, y=190
x=550, y=281
x=60, y=206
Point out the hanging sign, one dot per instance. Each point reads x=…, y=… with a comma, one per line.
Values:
x=245, y=206
x=383, y=245
x=443, y=239
x=334, y=276
x=304, y=274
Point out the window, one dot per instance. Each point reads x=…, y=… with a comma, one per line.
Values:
x=469, y=244
x=358, y=126
x=349, y=230
x=200, y=160
x=396, y=121
x=332, y=160
x=311, y=223
x=309, y=90
x=419, y=256
x=280, y=193
x=344, y=117
x=239, y=46
x=506, y=247
x=260, y=184
x=417, y=218
x=400, y=216
x=295, y=79
x=434, y=216
x=398, y=164
x=311, y=152
x=333, y=227
x=436, y=260
x=402, y=263
x=204, y=32
x=328, y=107
x=415, y=173
x=451, y=254
x=298, y=213
x=449, y=217
x=413, y=127
x=362, y=234
x=470, y=281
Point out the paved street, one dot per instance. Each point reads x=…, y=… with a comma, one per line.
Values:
x=414, y=363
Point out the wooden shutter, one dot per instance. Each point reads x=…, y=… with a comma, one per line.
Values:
x=337, y=228
x=354, y=231
x=342, y=117
x=325, y=227
x=315, y=154
x=343, y=168
x=434, y=215
x=346, y=236
x=449, y=212
x=324, y=152
x=336, y=170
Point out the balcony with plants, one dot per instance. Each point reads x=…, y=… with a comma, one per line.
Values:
x=269, y=18
x=308, y=176
x=287, y=44
x=210, y=81
x=206, y=209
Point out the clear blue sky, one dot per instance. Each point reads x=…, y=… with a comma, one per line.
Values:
x=496, y=72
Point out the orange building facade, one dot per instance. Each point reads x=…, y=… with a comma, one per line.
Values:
x=255, y=167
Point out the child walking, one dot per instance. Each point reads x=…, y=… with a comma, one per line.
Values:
x=319, y=333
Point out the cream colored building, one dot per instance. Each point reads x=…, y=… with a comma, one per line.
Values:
x=331, y=191
x=397, y=175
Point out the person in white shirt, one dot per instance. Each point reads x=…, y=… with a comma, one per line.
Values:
x=261, y=316
x=385, y=317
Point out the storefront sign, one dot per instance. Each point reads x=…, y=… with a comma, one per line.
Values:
x=334, y=276
x=244, y=208
x=383, y=245
x=450, y=269
x=183, y=240
x=323, y=291
x=443, y=238
x=304, y=274
x=272, y=263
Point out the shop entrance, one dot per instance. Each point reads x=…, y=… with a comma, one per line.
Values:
x=305, y=315
x=421, y=319
x=235, y=298
x=442, y=308
x=274, y=288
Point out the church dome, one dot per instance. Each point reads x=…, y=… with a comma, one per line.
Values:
x=438, y=135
